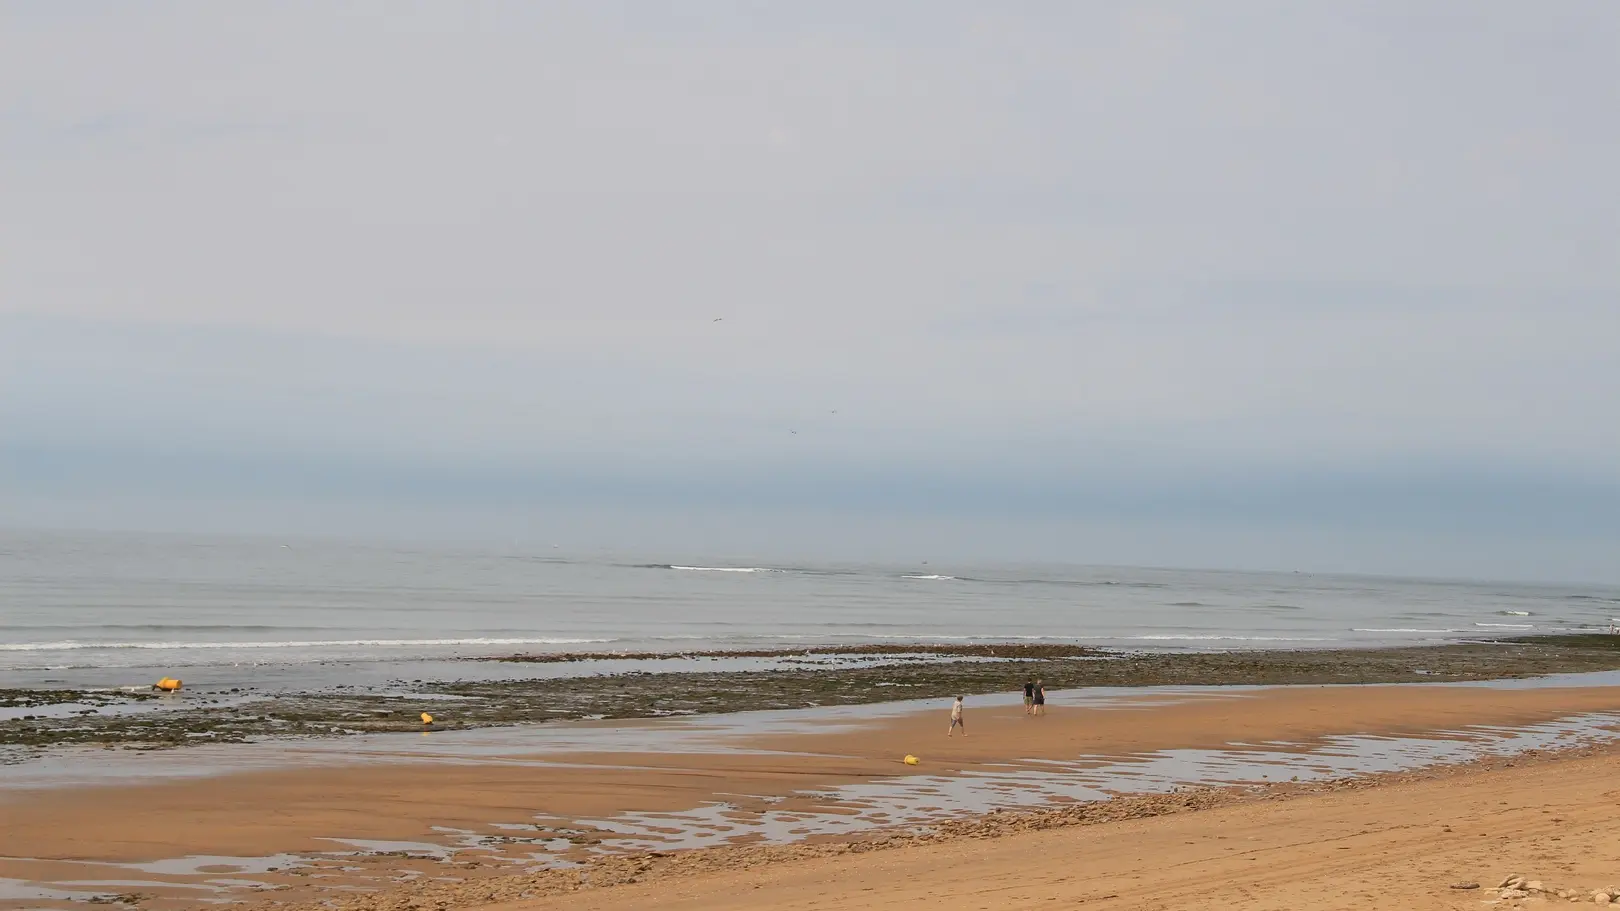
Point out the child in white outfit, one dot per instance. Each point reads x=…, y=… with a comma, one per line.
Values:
x=956, y=719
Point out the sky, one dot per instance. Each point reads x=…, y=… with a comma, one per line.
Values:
x=1251, y=285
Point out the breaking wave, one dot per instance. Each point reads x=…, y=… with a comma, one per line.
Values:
x=1362, y=629
x=76, y=645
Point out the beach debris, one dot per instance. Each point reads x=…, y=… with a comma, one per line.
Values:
x=167, y=685
x=910, y=759
x=1465, y=885
x=426, y=718
x=1518, y=886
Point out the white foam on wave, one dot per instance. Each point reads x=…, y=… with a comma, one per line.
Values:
x=1226, y=638
x=76, y=645
x=991, y=638
x=1507, y=625
x=1514, y=613
x=1362, y=629
x=728, y=569
x=922, y=638
x=936, y=577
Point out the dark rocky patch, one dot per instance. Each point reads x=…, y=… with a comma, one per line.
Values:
x=932, y=674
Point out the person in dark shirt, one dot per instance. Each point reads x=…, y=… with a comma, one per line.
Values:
x=1029, y=697
x=1040, y=698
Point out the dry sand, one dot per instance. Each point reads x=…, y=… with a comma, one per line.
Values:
x=1374, y=847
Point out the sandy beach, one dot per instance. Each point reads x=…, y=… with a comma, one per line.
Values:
x=782, y=804
x=1434, y=843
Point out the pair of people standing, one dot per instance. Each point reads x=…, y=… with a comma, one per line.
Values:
x=1034, y=704
x=1034, y=698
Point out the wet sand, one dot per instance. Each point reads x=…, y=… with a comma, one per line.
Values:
x=600, y=789
x=1401, y=845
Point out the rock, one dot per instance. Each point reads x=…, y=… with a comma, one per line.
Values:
x=1601, y=898
x=1510, y=882
x=1465, y=885
x=1534, y=885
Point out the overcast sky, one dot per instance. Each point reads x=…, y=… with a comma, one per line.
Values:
x=1242, y=284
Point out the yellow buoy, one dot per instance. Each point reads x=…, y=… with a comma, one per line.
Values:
x=167, y=685
x=426, y=718
x=910, y=759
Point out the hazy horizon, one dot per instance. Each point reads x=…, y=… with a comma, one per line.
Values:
x=1263, y=287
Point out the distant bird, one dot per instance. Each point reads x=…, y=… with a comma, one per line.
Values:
x=719, y=319
x=795, y=432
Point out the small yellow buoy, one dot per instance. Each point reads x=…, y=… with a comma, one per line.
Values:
x=167, y=685
x=910, y=759
x=426, y=718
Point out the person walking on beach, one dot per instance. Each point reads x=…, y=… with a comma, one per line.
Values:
x=956, y=719
x=1029, y=696
x=1040, y=699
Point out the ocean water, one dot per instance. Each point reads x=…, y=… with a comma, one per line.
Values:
x=96, y=608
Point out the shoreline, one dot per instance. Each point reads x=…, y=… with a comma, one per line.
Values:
x=1050, y=648
x=1007, y=649
x=622, y=801
x=36, y=722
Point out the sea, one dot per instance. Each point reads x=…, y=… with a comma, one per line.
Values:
x=106, y=609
